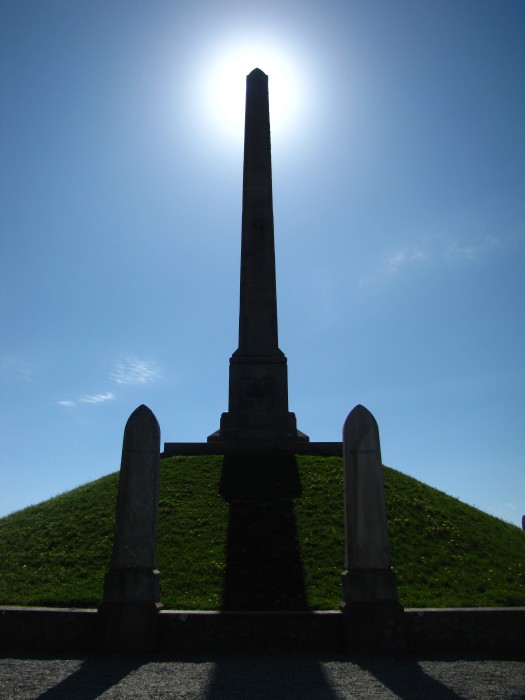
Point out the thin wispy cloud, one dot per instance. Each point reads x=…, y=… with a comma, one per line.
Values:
x=431, y=252
x=97, y=398
x=403, y=257
x=394, y=264
x=89, y=399
x=126, y=370
x=131, y=370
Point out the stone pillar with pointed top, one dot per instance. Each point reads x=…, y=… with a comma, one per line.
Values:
x=258, y=386
x=128, y=615
x=373, y=616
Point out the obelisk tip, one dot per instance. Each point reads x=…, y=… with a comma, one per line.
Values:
x=257, y=73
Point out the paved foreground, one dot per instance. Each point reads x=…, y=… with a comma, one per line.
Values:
x=253, y=677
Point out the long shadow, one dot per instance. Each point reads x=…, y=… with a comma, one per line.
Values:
x=270, y=678
x=94, y=677
x=263, y=563
x=405, y=677
x=264, y=572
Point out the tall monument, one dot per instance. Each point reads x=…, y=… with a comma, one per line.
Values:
x=258, y=387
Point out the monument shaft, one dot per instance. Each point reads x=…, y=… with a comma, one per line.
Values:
x=258, y=295
x=258, y=385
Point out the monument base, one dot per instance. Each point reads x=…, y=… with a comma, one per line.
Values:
x=260, y=429
x=374, y=627
x=259, y=432
x=128, y=627
x=258, y=401
x=373, y=619
x=128, y=617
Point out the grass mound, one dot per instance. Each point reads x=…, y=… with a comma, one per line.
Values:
x=261, y=534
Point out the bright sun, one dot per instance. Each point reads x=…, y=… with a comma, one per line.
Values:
x=226, y=86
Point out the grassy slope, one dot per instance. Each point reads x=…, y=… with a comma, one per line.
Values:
x=445, y=553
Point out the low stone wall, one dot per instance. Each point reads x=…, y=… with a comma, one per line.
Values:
x=489, y=630
x=436, y=631
x=215, y=632
x=47, y=630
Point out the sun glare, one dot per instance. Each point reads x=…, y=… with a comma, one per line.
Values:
x=226, y=87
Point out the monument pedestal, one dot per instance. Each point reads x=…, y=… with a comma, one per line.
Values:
x=373, y=619
x=128, y=617
x=376, y=627
x=128, y=627
x=258, y=402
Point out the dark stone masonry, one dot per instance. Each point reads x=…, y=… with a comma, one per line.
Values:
x=258, y=388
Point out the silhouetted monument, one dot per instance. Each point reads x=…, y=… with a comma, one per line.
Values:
x=372, y=613
x=258, y=387
x=128, y=615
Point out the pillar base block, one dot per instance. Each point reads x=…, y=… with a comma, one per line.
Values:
x=374, y=627
x=128, y=628
x=373, y=619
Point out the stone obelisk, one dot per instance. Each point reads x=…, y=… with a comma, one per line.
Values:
x=258, y=387
x=128, y=616
x=373, y=619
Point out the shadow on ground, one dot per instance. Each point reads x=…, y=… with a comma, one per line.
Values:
x=262, y=677
x=406, y=679
x=270, y=678
x=92, y=679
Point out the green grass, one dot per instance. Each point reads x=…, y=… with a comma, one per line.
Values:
x=262, y=535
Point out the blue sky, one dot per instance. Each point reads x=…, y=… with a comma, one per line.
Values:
x=398, y=146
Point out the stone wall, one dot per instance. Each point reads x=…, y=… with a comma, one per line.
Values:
x=47, y=630
x=434, y=631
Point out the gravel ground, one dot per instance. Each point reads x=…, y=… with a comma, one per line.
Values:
x=253, y=677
